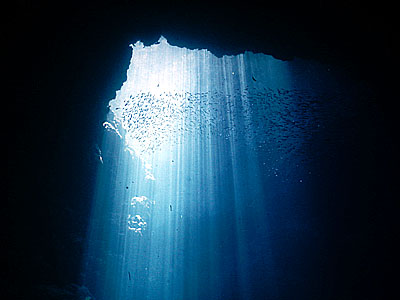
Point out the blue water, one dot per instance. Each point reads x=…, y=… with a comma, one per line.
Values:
x=226, y=181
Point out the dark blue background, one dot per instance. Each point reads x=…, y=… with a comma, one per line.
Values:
x=68, y=59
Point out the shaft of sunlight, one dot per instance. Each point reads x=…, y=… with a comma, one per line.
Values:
x=194, y=144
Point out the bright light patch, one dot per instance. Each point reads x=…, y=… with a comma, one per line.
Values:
x=149, y=106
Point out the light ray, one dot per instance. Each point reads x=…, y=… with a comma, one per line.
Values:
x=195, y=144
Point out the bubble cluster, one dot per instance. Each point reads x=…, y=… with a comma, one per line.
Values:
x=136, y=224
x=141, y=201
x=139, y=213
